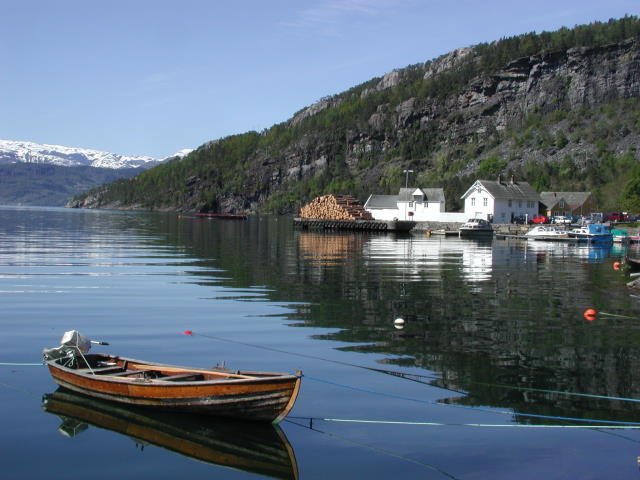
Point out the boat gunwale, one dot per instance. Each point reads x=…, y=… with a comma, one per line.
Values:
x=264, y=377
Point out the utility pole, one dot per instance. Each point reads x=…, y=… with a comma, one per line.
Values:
x=406, y=181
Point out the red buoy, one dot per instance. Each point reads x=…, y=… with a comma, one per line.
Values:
x=590, y=314
x=188, y=332
x=616, y=266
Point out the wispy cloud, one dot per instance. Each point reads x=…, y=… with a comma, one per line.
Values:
x=155, y=80
x=328, y=16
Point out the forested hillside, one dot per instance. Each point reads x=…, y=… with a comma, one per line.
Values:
x=52, y=185
x=560, y=110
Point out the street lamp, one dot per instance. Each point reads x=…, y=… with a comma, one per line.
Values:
x=406, y=181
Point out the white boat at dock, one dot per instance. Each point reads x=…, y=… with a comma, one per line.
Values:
x=547, y=233
x=475, y=227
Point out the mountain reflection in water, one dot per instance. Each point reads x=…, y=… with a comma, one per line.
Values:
x=251, y=447
x=500, y=320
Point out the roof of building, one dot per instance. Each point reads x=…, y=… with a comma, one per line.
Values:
x=405, y=195
x=573, y=199
x=429, y=194
x=382, y=201
x=506, y=190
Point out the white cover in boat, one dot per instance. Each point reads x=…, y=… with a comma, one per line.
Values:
x=74, y=338
x=71, y=342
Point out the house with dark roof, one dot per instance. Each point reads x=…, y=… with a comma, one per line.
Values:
x=500, y=201
x=418, y=204
x=568, y=203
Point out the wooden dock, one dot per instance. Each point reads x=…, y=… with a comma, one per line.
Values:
x=364, y=225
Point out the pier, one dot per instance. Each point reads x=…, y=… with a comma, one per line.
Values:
x=364, y=225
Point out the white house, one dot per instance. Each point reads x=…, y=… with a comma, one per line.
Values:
x=500, y=201
x=418, y=204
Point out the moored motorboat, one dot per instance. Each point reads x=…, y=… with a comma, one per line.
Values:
x=620, y=236
x=546, y=232
x=254, y=396
x=593, y=232
x=475, y=227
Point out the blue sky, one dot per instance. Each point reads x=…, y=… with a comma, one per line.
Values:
x=149, y=77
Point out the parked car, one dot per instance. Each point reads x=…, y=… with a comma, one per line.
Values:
x=615, y=217
x=561, y=220
x=521, y=220
x=540, y=219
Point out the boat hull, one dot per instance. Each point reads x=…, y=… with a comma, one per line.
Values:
x=264, y=398
x=471, y=233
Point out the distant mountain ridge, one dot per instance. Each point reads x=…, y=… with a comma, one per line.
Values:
x=12, y=151
x=49, y=175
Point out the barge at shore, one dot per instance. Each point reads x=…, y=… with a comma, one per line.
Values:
x=367, y=225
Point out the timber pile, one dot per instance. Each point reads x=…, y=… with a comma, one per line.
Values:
x=335, y=207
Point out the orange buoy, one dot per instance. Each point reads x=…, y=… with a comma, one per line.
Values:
x=590, y=314
x=616, y=266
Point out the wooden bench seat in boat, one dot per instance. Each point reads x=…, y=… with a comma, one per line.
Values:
x=183, y=377
x=100, y=371
x=126, y=373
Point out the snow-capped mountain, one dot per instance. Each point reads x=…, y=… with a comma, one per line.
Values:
x=181, y=153
x=29, y=152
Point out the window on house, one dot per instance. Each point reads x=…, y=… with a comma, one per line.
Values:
x=510, y=203
x=411, y=204
x=473, y=201
x=520, y=203
x=485, y=201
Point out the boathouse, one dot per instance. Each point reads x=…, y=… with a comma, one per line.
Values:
x=568, y=203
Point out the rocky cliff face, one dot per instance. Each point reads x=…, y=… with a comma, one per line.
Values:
x=473, y=119
x=489, y=104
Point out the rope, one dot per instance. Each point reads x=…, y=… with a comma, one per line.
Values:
x=408, y=376
x=419, y=379
x=484, y=425
x=477, y=409
x=374, y=449
x=14, y=364
x=559, y=392
x=615, y=315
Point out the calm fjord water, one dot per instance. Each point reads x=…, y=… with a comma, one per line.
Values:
x=498, y=357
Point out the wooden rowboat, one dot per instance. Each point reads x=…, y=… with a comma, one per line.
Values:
x=261, y=449
x=255, y=396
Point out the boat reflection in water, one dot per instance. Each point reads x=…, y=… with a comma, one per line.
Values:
x=251, y=447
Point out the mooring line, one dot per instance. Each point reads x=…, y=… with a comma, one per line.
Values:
x=375, y=449
x=616, y=434
x=480, y=425
x=559, y=392
x=472, y=408
x=19, y=389
x=16, y=364
x=395, y=373
x=411, y=376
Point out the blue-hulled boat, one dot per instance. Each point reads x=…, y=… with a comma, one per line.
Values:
x=593, y=232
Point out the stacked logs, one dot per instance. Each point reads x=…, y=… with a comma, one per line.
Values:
x=335, y=207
